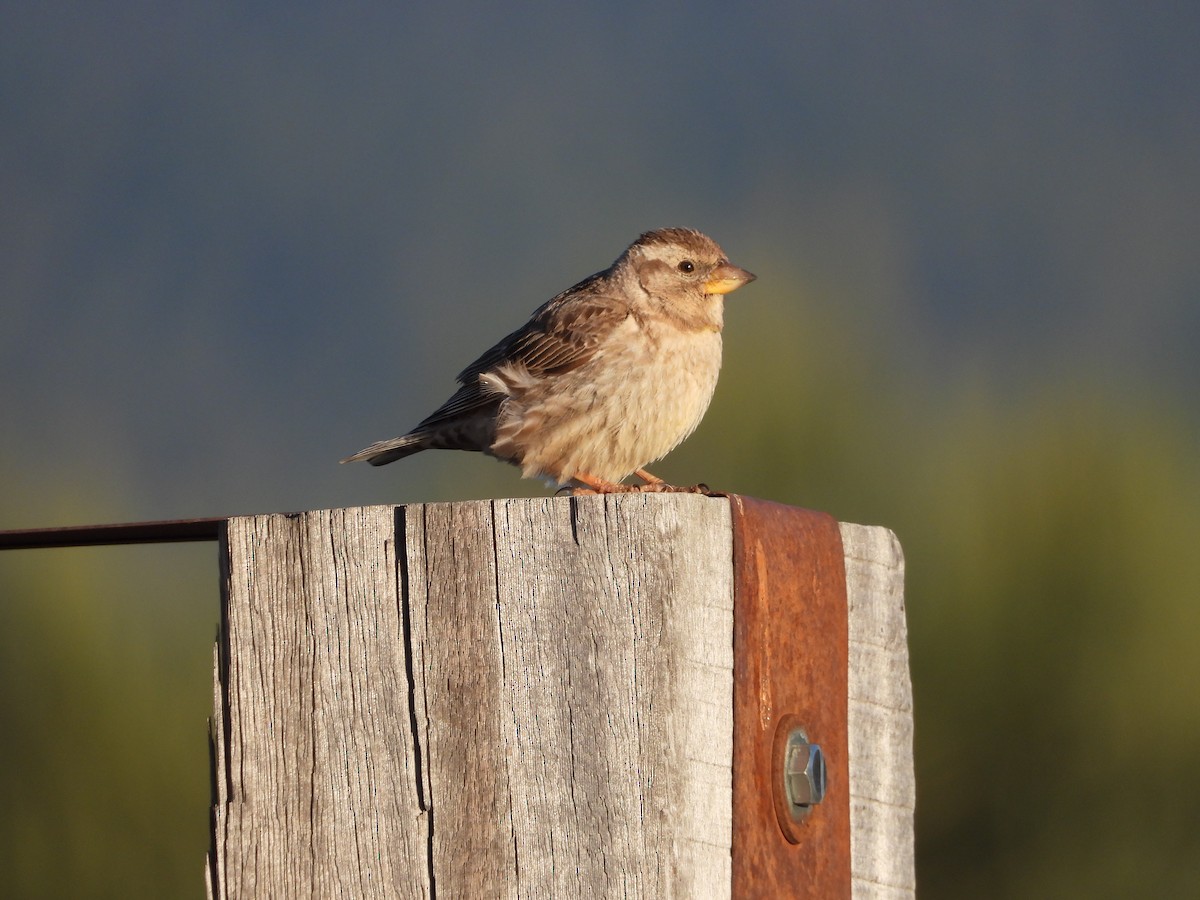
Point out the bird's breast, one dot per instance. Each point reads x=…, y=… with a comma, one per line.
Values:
x=643, y=392
x=676, y=374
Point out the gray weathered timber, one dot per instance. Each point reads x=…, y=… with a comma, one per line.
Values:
x=316, y=768
x=534, y=699
x=515, y=698
x=882, y=780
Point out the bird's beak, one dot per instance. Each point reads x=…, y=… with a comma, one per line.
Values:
x=727, y=278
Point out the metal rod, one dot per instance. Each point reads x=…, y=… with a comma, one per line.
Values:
x=125, y=533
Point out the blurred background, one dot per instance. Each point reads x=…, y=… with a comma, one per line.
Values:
x=240, y=241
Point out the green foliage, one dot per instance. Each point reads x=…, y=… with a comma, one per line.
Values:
x=105, y=667
x=1054, y=623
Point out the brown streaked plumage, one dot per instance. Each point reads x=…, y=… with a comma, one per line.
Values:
x=605, y=378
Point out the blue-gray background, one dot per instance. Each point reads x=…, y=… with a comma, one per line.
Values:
x=239, y=241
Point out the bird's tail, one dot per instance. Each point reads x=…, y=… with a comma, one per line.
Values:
x=384, y=452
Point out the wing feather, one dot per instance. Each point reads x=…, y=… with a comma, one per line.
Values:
x=561, y=335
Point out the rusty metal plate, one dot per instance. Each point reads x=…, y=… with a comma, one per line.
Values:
x=790, y=667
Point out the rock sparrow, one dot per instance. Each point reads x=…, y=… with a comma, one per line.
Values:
x=604, y=379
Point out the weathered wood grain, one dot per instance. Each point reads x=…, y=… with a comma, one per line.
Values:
x=515, y=698
x=882, y=780
x=316, y=783
x=534, y=700
x=596, y=634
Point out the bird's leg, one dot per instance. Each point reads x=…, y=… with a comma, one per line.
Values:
x=647, y=477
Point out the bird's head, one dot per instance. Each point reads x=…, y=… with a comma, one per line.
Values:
x=679, y=262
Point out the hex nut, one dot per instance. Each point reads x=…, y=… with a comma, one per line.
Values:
x=804, y=771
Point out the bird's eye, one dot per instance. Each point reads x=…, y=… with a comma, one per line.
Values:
x=687, y=267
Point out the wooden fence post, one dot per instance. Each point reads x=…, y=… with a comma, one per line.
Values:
x=536, y=698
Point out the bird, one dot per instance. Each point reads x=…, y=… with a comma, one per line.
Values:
x=604, y=379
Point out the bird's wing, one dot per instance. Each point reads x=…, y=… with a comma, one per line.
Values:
x=561, y=335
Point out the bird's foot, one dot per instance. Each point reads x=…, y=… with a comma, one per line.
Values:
x=588, y=485
x=655, y=485
x=651, y=484
x=661, y=487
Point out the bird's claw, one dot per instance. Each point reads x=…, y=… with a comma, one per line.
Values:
x=657, y=487
x=662, y=487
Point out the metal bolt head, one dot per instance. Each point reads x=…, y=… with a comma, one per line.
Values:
x=803, y=774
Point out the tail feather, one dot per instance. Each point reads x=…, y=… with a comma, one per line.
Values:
x=384, y=452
